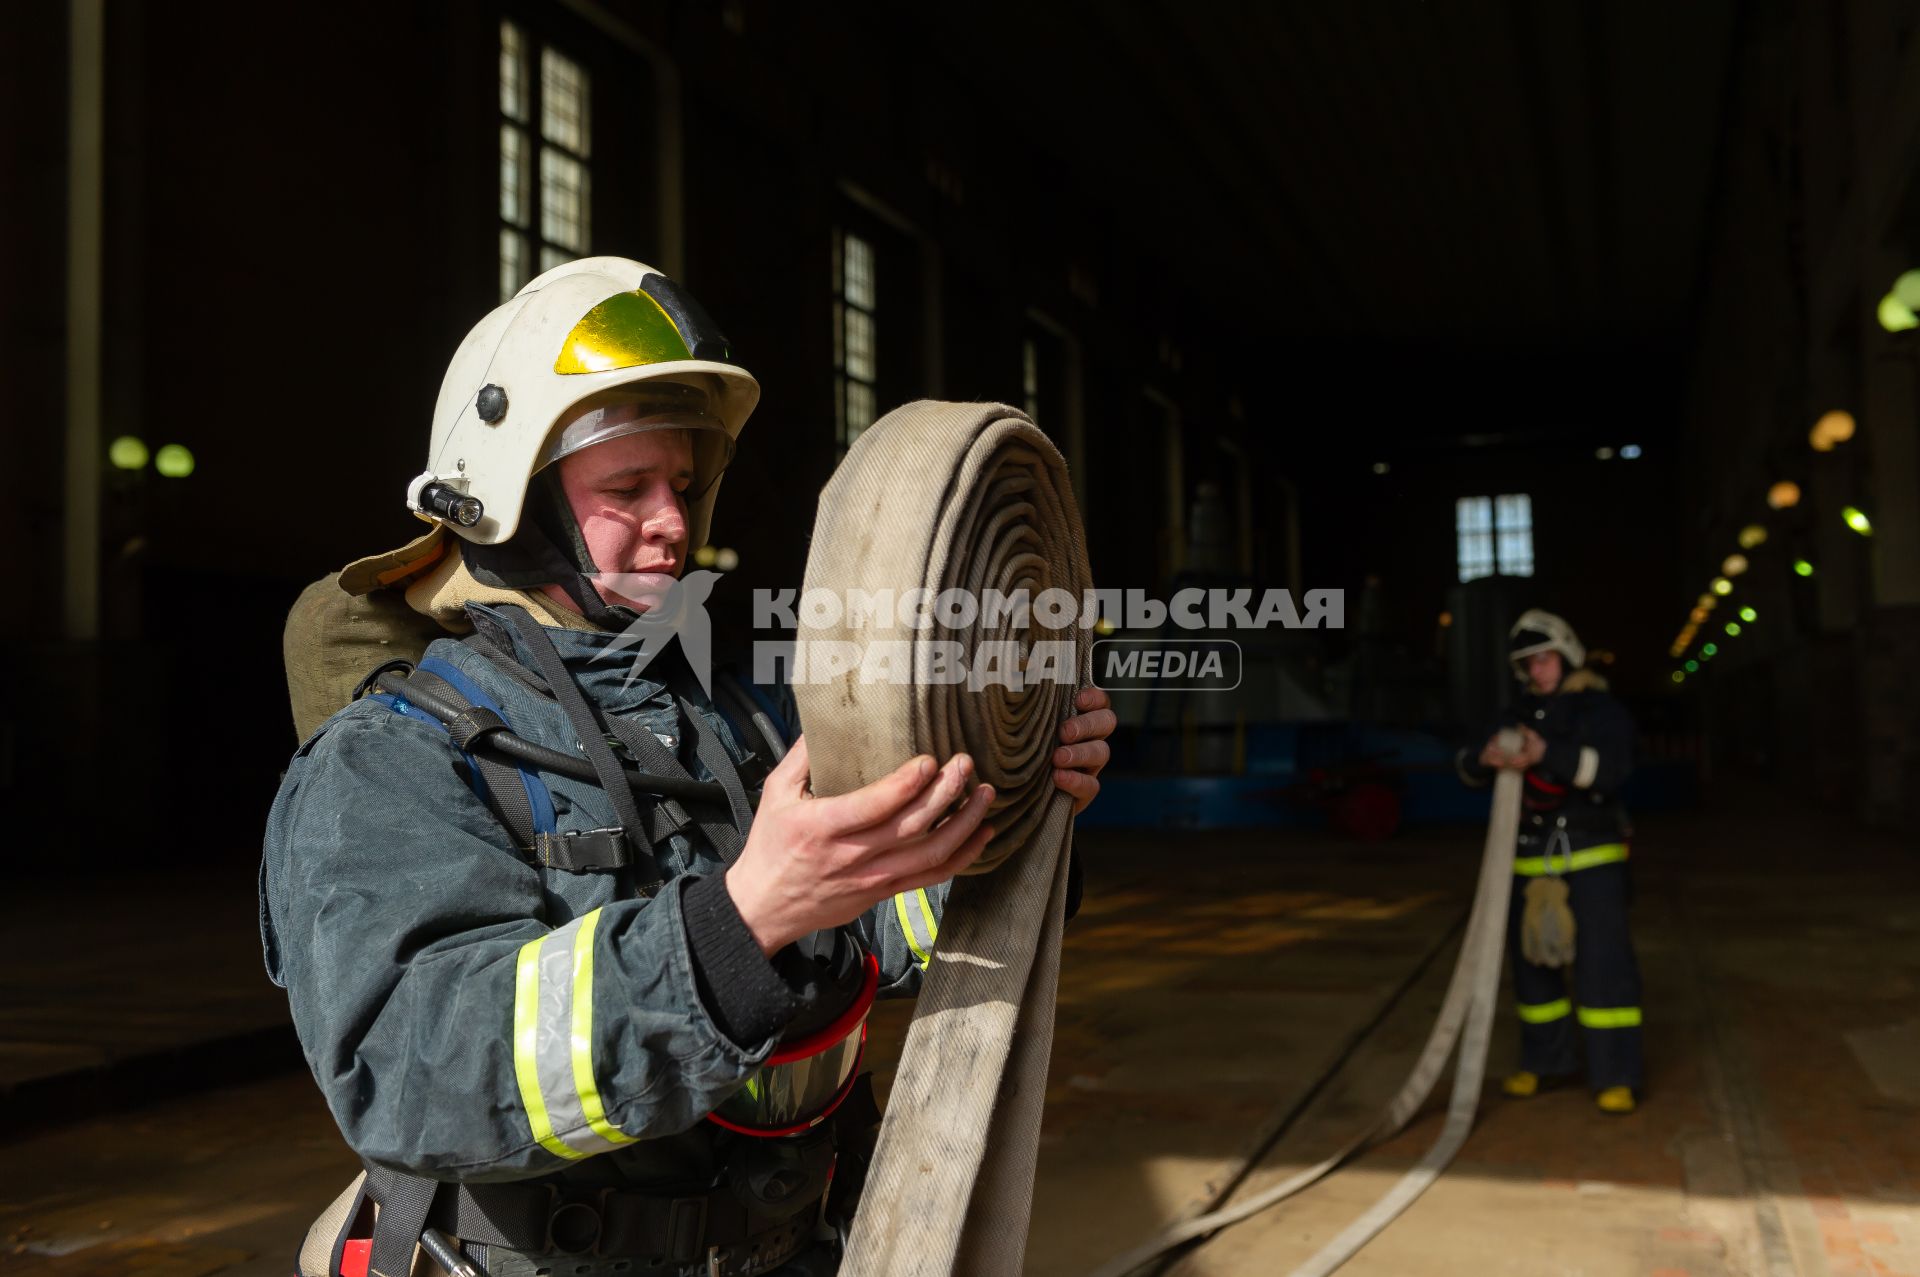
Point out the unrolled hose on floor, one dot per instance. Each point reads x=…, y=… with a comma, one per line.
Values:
x=1469, y=1004
x=938, y=496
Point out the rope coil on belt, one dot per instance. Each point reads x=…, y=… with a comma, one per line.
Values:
x=1466, y=1017
x=933, y=497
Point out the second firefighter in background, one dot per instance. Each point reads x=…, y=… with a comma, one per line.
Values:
x=1575, y=755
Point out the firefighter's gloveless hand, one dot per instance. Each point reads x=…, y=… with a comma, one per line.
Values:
x=813, y=863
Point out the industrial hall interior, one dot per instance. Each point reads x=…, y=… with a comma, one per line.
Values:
x=723, y=638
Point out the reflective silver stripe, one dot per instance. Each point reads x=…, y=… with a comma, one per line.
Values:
x=553, y=1040
x=1589, y=767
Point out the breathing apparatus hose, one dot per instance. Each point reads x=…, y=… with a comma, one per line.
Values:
x=517, y=749
x=937, y=497
x=1468, y=1006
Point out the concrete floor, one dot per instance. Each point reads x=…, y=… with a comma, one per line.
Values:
x=1211, y=983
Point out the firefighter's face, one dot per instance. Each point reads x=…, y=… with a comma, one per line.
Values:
x=1544, y=672
x=629, y=498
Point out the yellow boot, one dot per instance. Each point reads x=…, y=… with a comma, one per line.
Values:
x=1524, y=1085
x=1615, y=1099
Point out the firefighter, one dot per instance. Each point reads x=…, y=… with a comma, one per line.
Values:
x=1570, y=884
x=560, y=1013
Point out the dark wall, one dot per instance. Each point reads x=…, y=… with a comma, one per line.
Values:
x=300, y=226
x=1602, y=538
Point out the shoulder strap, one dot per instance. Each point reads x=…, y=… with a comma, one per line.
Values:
x=591, y=727
x=510, y=791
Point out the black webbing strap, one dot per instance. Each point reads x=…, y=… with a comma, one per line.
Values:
x=405, y=1201
x=722, y=835
x=592, y=730
x=714, y=756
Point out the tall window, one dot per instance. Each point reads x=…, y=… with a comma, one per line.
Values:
x=856, y=368
x=547, y=220
x=1495, y=536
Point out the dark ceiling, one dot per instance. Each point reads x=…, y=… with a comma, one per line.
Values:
x=1518, y=189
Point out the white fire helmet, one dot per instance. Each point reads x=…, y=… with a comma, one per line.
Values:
x=589, y=351
x=1538, y=630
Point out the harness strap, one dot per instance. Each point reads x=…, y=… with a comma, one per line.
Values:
x=591, y=728
x=723, y=837
x=506, y=789
x=713, y=755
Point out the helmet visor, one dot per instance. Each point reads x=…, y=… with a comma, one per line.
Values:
x=666, y=406
x=803, y=1082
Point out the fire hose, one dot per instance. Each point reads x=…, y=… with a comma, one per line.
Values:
x=1468, y=1006
x=951, y=500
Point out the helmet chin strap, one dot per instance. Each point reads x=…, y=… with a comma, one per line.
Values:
x=548, y=549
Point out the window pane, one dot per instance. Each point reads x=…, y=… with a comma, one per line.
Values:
x=1513, y=511
x=563, y=102
x=563, y=200
x=513, y=262
x=839, y=335
x=857, y=282
x=1516, y=553
x=551, y=257
x=1513, y=517
x=513, y=73
x=1473, y=514
x=859, y=409
x=1476, y=555
x=514, y=186
x=860, y=360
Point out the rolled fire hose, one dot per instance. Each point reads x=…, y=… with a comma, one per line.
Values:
x=1469, y=1004
x=966, y=497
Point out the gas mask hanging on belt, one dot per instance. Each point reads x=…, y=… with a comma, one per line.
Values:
x=813, y=1068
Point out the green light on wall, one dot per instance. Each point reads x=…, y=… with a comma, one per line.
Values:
x=1803, y=567
x=1857, y=520
x=1693, y=667
x=1709, y=651
x=127, y=453
x=1733, y=629
x=1748, y=615
x=1895, y=315
x=174, y=461
x=1679, y=676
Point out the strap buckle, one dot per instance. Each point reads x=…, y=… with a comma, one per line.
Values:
x=686, y=1229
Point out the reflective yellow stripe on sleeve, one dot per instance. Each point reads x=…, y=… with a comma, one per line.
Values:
x=906, y=928
x=1544, y=1012
x=1610, y=1017
x=591, y=1106
x=526, y=1009
x=926, y=915
x=553, y=1043
x=1585, y=858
